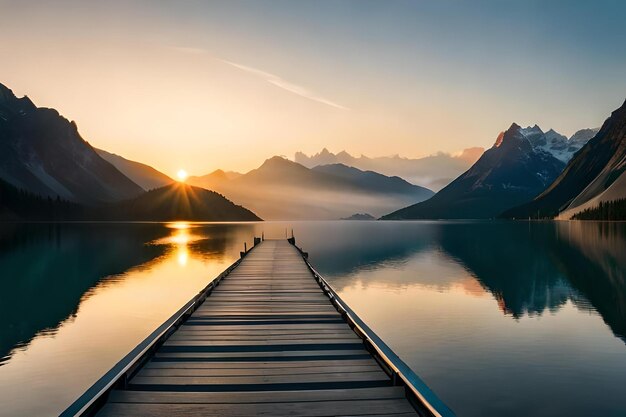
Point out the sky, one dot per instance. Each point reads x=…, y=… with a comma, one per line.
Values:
x=201, y=85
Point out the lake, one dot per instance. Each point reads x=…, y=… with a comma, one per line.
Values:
x=498, y=318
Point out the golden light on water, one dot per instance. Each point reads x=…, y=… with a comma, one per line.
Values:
x=179, y=238
x=183, y=255
x=178, y=225
x=182, y=175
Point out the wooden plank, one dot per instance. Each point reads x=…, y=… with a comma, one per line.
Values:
x=255, y=371
x=256, y=397
x=376, y=375
x=295, y=409
x=261, y=336
x=309, y=326
x=269, y=314
x=258, y=365
x=250, y=330
x=260, y=356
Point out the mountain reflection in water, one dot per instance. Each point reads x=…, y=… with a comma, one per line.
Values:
x=529, y=268
x=489, y=314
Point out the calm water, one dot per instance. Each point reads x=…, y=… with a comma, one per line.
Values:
x=511, y=319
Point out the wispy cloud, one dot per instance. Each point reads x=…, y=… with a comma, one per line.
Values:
x=285, y=85
x=269, y=77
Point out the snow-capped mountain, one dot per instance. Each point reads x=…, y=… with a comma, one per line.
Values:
x=520, y=165
x=557, y=144
x=594, y=175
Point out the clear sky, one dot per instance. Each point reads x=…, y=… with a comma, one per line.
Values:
x=200, y=84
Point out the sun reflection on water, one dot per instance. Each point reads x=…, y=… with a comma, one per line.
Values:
x=183, y=255
x=181, y=238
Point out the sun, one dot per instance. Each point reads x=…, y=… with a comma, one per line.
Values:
x=182, y=175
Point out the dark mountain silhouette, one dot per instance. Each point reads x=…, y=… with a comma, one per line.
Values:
x=434, y=171
x=283, y=189
x=514, y=170
x=173, y=202
x=141, y=174
x=594, y=174
x=181, y=202
x=42, y=152
x=16, y=204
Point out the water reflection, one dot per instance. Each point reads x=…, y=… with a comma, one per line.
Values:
x=498, y=318
x=47, y=269
x=529, y=268
x=512, y=310
x=76, y=297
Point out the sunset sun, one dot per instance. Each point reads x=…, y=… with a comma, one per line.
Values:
x=182, y=175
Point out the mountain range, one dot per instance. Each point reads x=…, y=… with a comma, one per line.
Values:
x=433, y=172
x=520, y=165
x=283, y=189
x=594, y=175
x=49, y=172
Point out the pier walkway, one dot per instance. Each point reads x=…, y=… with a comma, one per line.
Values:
x=267, y=341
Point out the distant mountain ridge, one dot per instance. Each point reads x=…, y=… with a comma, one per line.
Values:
x=594, y=175
x=283, y=189
x=375, y=182
x=433, y=172
x=49, y=172
x=143, y=175
x=520, y=165
x=360, y=216
x=42, y=152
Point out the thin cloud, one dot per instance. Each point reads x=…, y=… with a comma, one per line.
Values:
x=285, y=85
x=270, y=78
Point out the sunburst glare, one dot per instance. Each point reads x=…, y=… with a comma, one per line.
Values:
x=182, y=175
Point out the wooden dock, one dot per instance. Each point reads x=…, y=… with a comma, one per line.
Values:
x=268, y=341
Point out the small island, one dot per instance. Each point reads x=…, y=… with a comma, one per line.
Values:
x=359, y=216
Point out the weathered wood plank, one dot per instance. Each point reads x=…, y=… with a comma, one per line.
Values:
x=375, y=375
x=259, y=365
x=254, y=371
x=261, y=356
x=267, y=337
x=256, y=397
x=301, y=409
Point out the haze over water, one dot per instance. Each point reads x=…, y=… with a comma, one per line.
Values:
x=498, y=318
